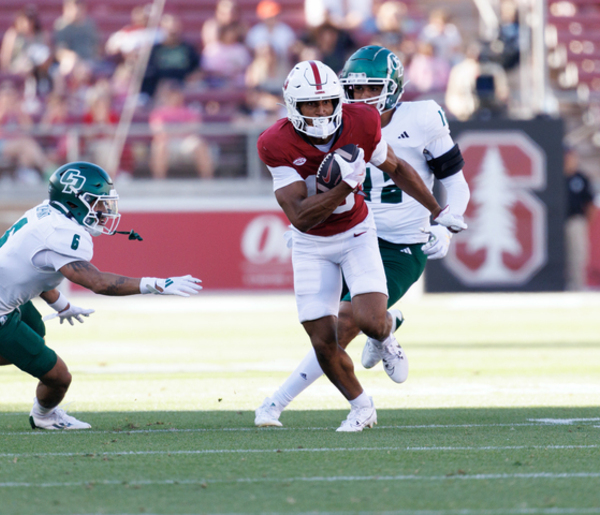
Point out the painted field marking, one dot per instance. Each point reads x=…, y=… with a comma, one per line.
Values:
x=323, y=449
x=244, y=429
x=314, y=479
x=563, y=421
x=459, y=511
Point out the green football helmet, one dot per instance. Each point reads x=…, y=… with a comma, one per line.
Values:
x=374, y=65
x=85, y=192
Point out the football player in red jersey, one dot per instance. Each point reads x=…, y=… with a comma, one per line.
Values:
x=334, y=232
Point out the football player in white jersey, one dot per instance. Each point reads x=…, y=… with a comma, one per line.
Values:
x=48, y=243
x=418, y=132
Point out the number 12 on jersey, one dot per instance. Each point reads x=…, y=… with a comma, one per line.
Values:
x=390, y=193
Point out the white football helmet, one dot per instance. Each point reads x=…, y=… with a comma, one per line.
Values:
x=310, y=81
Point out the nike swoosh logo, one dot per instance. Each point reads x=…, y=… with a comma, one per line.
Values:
x=359, y=234
x=327, y=178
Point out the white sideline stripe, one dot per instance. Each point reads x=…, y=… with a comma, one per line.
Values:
x=323, y=449
x=314, y=479
x=463, y=511
x=235, y=429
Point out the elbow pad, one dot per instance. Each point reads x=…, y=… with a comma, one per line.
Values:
x=447, y=164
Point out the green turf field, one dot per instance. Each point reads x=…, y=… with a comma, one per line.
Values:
x=500, y=415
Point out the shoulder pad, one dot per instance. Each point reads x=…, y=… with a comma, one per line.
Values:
x=431, y=120
x=71, y=240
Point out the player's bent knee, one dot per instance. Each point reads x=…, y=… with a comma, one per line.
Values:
x=374, y=326
x=58, y=377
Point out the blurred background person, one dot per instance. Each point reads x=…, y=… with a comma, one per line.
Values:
x=331, y=45
x=75, y=37
x=271, y=30
x=443, y=36
x=13, y=115
x=427, y=72
x=476, y=87
x=224, y=62
x=392, y=26
x=101, y=115
x=19, y=149
x=129, y=39
x=176, y=146
x=24, y=44
x=264, y=77
x=227, y=13
x=174, y=58
x=55, y=120
x=580, y=212
x=349, y=15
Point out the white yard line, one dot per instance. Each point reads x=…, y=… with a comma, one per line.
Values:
x=314, y=479
x=459, y=511
x=545, y=423
x=323, y=449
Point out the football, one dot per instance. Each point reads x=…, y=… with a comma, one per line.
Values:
x=329, y=174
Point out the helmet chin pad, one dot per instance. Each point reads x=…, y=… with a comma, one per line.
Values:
x=321, y=127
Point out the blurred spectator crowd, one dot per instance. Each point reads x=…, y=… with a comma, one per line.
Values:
x=228, y=67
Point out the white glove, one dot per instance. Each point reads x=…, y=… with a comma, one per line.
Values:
x=182, y=286
x=353, y=174
x=69, y=313
x=439, y=242
x=453, y=222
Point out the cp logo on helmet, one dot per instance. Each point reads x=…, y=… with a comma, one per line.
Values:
x=73, y=181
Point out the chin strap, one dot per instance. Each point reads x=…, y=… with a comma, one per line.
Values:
x=132, y=235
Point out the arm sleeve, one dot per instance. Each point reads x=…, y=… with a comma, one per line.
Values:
x=457, y=193
x=380, y=153
x=283, y=176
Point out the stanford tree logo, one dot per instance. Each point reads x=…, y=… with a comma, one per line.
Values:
x=506, y=241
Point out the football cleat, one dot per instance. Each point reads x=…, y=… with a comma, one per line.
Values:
x=267, y=414
x=394, y=361
x=371, y=355
x=358, y=419
x=56, y=420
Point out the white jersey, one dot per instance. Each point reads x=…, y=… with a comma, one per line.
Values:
x=411, y=131
x=33, y=250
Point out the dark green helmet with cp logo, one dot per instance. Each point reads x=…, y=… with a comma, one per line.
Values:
x=374, y=65
x=86, y=193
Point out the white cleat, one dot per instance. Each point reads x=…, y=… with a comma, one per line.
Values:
x=371, y=355
x=358, y=419
x=56, y=420
x=267, y=414
x=394, y=361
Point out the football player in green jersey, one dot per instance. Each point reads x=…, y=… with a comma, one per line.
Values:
x=50, y=242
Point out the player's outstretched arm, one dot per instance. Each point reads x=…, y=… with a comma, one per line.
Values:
x=407, y=178
x=305, y=212
x=87, y=275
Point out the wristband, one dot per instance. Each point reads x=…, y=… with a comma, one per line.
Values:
x=148, y=285
x=60, y=304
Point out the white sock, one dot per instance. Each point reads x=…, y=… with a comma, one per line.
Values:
x=39, y=410
x=306, y=373
x=362, y=401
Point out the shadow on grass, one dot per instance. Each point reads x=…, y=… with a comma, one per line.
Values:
x=401, y=419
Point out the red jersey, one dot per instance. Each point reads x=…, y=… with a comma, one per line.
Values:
x=281, y=145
